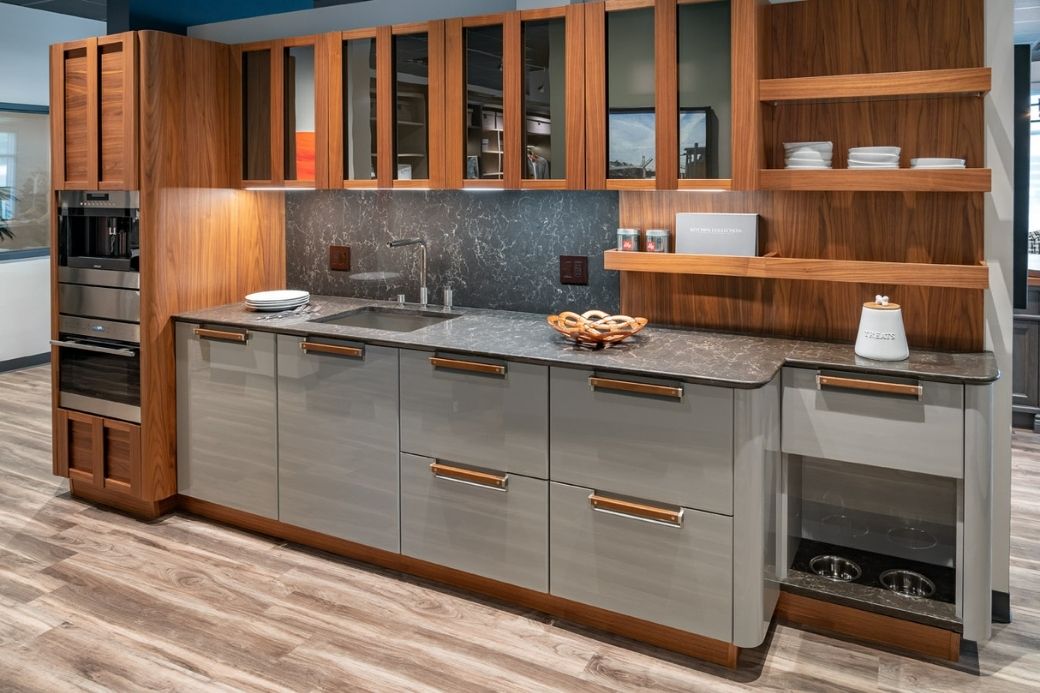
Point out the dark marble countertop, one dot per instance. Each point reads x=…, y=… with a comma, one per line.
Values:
x=697, y=356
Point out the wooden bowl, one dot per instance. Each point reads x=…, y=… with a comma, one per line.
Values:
x=596, y=328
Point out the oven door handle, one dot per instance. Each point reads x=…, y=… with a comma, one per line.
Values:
x=128, y=353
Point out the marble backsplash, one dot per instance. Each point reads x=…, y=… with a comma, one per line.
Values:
x=495, y=249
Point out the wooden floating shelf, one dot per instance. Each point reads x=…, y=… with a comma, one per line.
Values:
x=975, y=80
x=845, y=271
x=889, y=180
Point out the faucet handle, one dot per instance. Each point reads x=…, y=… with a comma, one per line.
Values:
x=448, y=295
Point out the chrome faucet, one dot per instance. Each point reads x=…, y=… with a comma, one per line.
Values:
x=400, y=242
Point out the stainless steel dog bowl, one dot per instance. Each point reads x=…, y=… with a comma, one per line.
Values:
x=835, y=568
x=907, y=583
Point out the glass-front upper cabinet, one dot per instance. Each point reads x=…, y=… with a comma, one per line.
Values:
x=553, y=97
x=484, y=143
x=257, y=70
x=356, y=126
x=705, y=92
x=418, y=105
x=299, y=109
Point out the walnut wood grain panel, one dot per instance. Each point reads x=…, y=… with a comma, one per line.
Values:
x=937, y=228
x=970, y=80
x=707, y=649
x=513, y=121
x=877, y=629
x=277, y=119
x=332, y=57
x=435, y=130
x=574, y=81
x=117, y=112
x=324, y=77
x=77, y=142
x=666, y=94
x=839, y=37
x=386, y=114
x=747, y=56
x=904, y=180
x=949, y=126
x=454, y=105
x=595, y=96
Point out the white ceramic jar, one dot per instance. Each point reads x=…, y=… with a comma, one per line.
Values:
x=881, y=334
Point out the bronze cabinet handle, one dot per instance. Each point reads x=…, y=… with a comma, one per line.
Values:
x=221, y=335
x=333, y=349
x=597, y=383
x=470, y=476
x=881, y=386
x=469, y=366
x=639, y=511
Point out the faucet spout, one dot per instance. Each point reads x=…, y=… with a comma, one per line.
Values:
x=402, y=242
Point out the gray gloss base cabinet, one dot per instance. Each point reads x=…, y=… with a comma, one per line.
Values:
x=338, y=442
x=227, y=445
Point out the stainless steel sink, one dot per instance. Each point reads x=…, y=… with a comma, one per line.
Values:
x=390, y=319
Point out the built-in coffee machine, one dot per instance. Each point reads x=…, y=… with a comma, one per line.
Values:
x=99, y=303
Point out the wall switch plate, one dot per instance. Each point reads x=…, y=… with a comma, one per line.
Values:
x=574, y=269
x=339, y=258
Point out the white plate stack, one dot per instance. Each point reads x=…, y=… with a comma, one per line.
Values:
x=936, y=163
x=269, y=301
x=808, y=155
x=874, y=157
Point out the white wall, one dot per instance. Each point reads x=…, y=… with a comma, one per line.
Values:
x=25, y=37
x=1000, y=153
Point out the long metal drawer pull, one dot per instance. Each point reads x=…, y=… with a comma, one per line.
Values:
x=639, y=511
x=597, y=383
x=470, y=476
x=127, y=353
x=221, y=335
x=471, y=366
x=334, y=349
x=905, y=389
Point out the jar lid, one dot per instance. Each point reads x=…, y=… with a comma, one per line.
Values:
x=657, y=232
x=881, y=303
x=628, y=232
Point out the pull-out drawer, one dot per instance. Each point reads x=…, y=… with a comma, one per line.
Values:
x=646, y=438
x=480, y=412
x=900, y=424
x=665, y=564
x=487, y=523
x=337, y=439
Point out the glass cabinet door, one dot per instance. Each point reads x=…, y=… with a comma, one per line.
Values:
x=256, y=115
x=484, y=142
x=544, y=99
x=704, y=89
x=360, y=125
x=630, y=87
x=299, y=123
x=411, y=106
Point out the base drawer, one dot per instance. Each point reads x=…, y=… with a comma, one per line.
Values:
x=453, y=517
x=679, y=576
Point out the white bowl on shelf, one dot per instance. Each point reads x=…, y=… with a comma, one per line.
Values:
x=872, y=157
x=861, y=162
x=809, y=158
x=818, y=146
x=875, y=150
x=936, y=162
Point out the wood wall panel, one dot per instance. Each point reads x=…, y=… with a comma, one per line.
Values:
x=834, y=37
x=943, y=228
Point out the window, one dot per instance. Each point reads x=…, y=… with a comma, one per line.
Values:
x=24, y=180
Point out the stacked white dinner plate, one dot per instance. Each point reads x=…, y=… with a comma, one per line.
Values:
x=935, y=162
x=268, y=301
x=808, y=155
x=874, y=157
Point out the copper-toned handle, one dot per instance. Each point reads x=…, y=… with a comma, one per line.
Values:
x=470, y=476
x=334, y=349
x=471, y=366
x=221, y=335
x=597, y=383
x=639, y=511
x=905, y=389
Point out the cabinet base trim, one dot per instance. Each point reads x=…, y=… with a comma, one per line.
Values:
x=665, y=637
x=876, y=629
x=141, y=509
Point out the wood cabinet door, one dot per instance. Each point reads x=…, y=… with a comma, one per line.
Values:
x=116, y=99
x=74, y=114
x=103, y=453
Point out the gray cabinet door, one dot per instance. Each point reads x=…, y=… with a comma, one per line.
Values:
x=676, y=576
x=338, y=440
x=499, y=533
x=227, y=445
x=490, y=420
x=673, y=450
x=1025, y=365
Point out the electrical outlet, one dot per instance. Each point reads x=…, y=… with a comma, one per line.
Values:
x=574, y=269
x=339, y=258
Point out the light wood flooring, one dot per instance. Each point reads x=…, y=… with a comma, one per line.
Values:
x=93, y=600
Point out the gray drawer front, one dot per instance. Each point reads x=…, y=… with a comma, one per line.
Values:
x=676, y=576
x=898, y=432
x=501, y=535
x=337, y=443
x=227, y=444
x=675, y=451
x=500, y=422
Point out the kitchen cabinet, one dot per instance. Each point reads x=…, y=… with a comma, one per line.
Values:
x=101, y=453
x=475, y=411
x=1025, y=367
x=338, y=439
x=227, y=425
x=94, y=119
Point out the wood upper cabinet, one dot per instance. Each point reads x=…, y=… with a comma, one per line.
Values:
x=280, y=112
x=102, y=453
x=94, y=97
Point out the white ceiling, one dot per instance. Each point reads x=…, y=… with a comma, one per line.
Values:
x=1027, y=21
